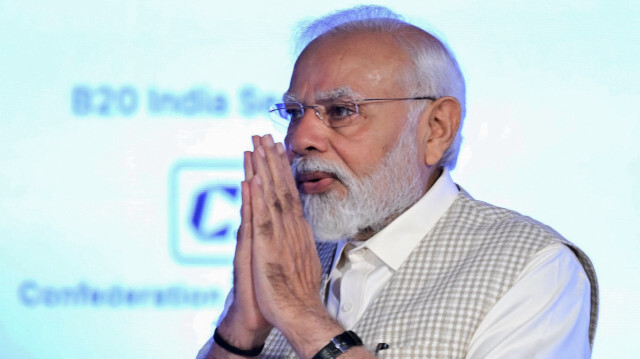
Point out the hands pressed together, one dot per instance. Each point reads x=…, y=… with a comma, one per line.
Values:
x=277, y=272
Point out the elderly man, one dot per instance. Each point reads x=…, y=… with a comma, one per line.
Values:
x=369, y=248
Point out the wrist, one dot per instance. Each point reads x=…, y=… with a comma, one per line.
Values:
x=339, y=345
x=230, y=348
x=237, y=334
x=310, y=331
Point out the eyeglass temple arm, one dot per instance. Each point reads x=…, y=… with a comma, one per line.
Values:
x=397, y=99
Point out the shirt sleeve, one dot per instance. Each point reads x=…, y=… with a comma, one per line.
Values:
x=544, y=315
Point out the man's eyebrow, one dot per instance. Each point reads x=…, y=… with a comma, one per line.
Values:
x=325, y=95
x=337, y=93
x=289, y=97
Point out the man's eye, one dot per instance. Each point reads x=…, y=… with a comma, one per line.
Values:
x=295, y=113
x=341, y=111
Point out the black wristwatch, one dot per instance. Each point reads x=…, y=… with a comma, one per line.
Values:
x=338, y=345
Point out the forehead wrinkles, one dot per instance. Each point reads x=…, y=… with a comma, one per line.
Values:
x=325, y=96
x=368, y=61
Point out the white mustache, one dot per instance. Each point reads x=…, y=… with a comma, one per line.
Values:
x=302, y=165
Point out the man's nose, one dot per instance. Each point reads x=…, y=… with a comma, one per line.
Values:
x=307, y=134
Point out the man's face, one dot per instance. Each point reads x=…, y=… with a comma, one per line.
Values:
x=367, y=64
x=329, y=161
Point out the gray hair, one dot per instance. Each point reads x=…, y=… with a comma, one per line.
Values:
x=435, y=71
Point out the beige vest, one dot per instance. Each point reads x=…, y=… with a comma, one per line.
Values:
x=435, y=301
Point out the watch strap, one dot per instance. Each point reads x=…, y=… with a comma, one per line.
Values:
x=338, y=345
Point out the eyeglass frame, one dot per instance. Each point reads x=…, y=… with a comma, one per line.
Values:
x=276, y=114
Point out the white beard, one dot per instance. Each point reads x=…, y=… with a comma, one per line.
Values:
x=391, y=188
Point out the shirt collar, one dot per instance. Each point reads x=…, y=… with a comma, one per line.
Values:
x=396, y=241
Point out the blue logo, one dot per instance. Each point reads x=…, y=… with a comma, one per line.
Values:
x=204, y=210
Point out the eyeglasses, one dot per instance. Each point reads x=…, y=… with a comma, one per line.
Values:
x=334, y=113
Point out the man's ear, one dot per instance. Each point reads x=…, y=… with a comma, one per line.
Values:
x=438, y=127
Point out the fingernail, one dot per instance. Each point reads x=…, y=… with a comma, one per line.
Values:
x=268, y=140
x=258, y=180
x=280, y=147
x=261, y=151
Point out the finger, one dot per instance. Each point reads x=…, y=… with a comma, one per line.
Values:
x=290, y=195
x=244, y=231
x=290, y=182
x=280, y=172
x=242, y=258
x=262, y=223
x=248, y=166
x=263, y=170
x=242, y=271
x=278, y=164
x=255, y=140
x=251, y=158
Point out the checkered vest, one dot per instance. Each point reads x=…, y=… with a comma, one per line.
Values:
x=435, y=301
